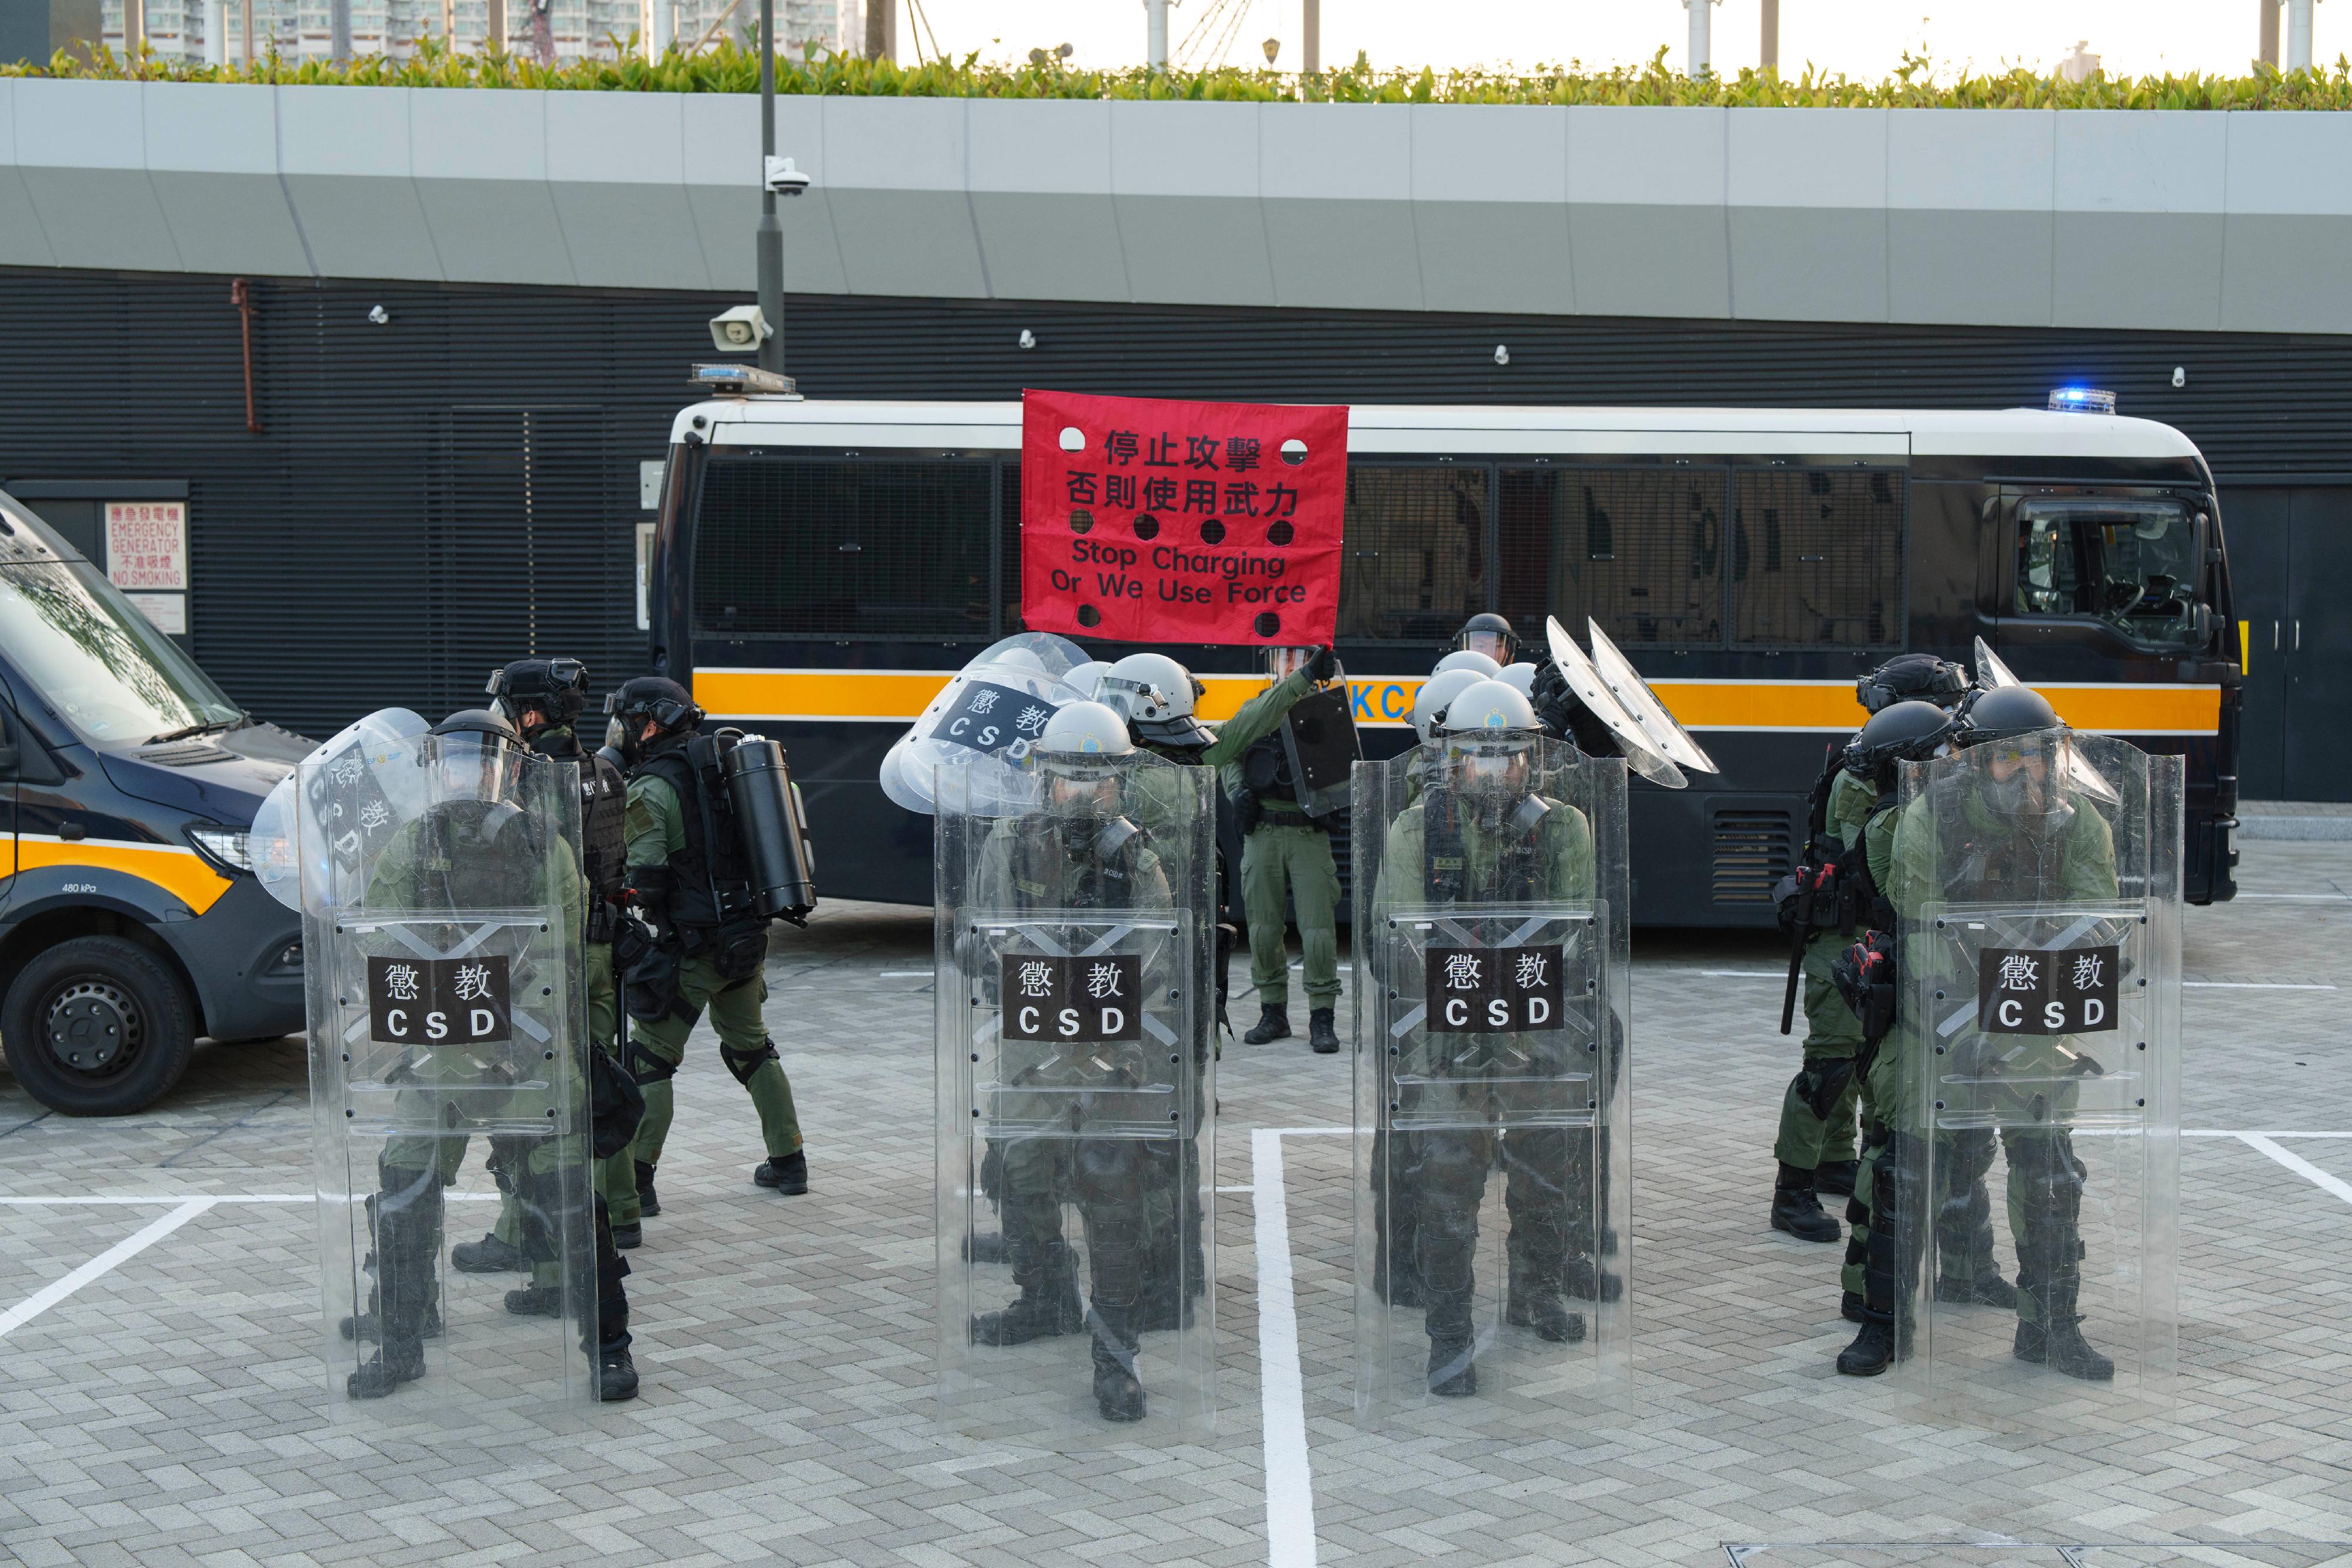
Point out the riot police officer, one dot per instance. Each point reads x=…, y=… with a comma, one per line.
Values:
x=1489, y=634
x=1479, y=833
x=681, y=848
x=473, y=850
x=1079, y=850
x=1284, y=851
x=543, y=699
x=2013, y=828
x=1815, y=1147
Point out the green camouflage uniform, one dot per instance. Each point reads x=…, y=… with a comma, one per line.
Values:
x=1285, y=853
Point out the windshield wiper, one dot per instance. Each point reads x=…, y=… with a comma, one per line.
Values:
x=189, y=732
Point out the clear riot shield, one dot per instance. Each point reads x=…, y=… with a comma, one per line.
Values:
x=2038, y=1156
x=442, y=917
x=1076, y=1100
x=1492, y=1088
x=986, y=716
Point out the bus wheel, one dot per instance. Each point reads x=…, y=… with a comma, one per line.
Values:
x=97, y=1027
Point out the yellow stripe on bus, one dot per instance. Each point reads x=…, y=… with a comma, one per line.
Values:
x=898, y=695
x=180, y=872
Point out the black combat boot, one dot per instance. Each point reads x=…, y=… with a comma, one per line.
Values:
x=1534, y=1304
x=628, y=1238
x=1453, y=1369
x=1034, y=1314
x=1984, y=1289
x=487, y=1256
x=1272, y=1024
x=2057, y=1341
x=1320, y=1036
x=989, y=1248
x=616, y=1374
x=1118, y=1393
x=1835, y=1179
x=407, y=1212
x=649, y=1204
x=369, y=1326
x=387, y=1370
x=1878, y=1346
x=536, y=1301
x=1796, y=1210
x=1850, y=1306
x=788, y=1176
x=1586, y=1281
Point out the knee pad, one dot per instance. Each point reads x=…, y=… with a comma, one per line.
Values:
x=744, y=1063
x=647, y=1068
x=1966, y=1158
x=1822, y=1081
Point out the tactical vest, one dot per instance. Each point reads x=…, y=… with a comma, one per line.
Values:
x=477, y=854
x=1844, y=894
x=603, y=827
x=1517, y=875
x=1050, y=872
x=701, y=870
x=2015, y=863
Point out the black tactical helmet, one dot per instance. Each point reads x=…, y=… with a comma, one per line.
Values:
x=1911, y=676
x=1906, y=732
x=479, y=721
x=558, y=688
x=1492, y=629
x=655, y=697
x=2003, y=712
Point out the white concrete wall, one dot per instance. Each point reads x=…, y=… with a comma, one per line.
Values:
x=2015, y=218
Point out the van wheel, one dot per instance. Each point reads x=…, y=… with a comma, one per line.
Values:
x=97, y=1027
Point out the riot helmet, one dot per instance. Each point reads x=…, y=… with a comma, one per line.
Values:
x=1468, y=659
x=1147, y=688
x=535, y=693
x=474, y=754
x=1906, y=732
x=1075, y=741
x=1490, y=634
x=1911, y=677
x=1434, y=693
x=1083, y=678
x=2027, y=761
x=1489, y=731
x=1521, y=677
x=655, y=699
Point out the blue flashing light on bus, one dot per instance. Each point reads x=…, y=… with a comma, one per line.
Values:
x=2082, y=400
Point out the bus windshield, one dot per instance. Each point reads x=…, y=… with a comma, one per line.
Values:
x=98, y=662
x=2132, y=563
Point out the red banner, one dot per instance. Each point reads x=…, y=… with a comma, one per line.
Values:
x=1151, y=521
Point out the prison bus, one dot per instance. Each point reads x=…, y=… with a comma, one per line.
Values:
x=820, y=568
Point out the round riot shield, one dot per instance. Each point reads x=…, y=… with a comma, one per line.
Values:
x=1075, y=1143
x=987, y=717
x=444, y=913
x=1492, y=1106
x=2029, y=1185
x=1634, y=695
x=353, y=797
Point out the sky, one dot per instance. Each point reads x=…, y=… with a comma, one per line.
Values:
x=1863, y=38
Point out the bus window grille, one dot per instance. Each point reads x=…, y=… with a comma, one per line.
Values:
x=792, y=549
x=1638, y=550
x=1415, y=566
x=1751, y=853
x=1818, y=559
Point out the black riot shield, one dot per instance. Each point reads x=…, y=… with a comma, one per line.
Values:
x=1075, y=1142
x=1318, y=737
x=1491, y=1080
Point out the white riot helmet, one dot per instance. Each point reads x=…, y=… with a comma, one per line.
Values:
x=1082, y=677
x=1434, y=693
x=1149, y=688
x=1487, y=708
x=1468, y=659
x=1521, y=676
x=1087, y=729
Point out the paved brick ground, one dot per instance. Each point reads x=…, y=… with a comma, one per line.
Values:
x=174, y=1410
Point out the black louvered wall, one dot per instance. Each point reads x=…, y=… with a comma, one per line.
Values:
x=459, y=485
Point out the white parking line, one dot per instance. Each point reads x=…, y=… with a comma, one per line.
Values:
x=48, y=1296
x=1281, y=1396
x=2298, y=1165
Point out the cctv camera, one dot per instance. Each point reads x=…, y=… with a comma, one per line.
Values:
x=783, y=179
x=740, y=331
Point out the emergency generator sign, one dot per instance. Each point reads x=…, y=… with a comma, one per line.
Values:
x=438, y=1001
x=2029, y=990
x=147, y=546
x=1151, y=521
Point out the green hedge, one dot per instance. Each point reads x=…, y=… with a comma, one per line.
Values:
x=729, y=68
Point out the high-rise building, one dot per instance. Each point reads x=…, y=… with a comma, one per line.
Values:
x=573, y=30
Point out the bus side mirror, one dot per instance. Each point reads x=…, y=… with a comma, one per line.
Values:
x=8, y=746
x=2202, y=615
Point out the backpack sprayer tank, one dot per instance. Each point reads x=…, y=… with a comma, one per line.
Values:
x=774, y=829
